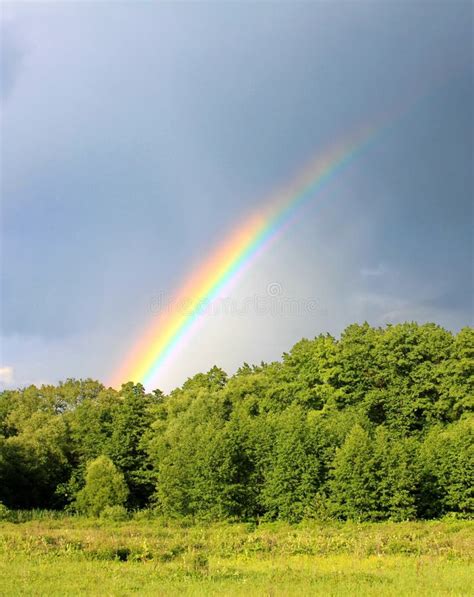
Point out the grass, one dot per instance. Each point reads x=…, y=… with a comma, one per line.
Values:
x=77, y=556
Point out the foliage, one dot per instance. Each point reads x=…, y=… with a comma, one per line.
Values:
x=376, y=425
x=4, y=512
x=105, y=488
x=449, y=462
x=116, y=513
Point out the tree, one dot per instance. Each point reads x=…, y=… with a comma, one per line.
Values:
x=396, y=475
x=353, y=483
x=292, y=475
x=448, y=458
x=105, y=486
x=309, y=371
x=131, y=420
x=34, y=461
x=375, y=425
x=457, y=381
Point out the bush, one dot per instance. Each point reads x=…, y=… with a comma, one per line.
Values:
x=114, y=513
x=5, y=513
x=105, y=486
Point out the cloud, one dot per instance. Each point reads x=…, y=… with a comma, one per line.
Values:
x=11, y=58
x=6, y=375
x=369, y=272
x=126, y=159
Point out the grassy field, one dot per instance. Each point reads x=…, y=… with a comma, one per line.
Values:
x=74, y=556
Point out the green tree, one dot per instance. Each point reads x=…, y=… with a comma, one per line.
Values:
x=448, y=458
x=373, y=425
x=310, y=371
x=105, y=487
x=91, y=425
x=357, y=372
x=34, y=460
x=396, y=474
x=409, y=359
x=126, y=447
x=353, y=485
x=457, y=378
x=293, y=472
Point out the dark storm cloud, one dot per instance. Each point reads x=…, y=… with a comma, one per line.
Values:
x=142, y=132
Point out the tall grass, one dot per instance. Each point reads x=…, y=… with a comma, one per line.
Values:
x=66, y=555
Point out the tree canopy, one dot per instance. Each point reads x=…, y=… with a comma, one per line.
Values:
x=374, y=425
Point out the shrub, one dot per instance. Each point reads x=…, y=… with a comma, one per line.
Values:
x=5, y=513
x=105, y=486
x=114, y=513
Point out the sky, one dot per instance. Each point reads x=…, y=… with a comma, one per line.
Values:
x=135, y=136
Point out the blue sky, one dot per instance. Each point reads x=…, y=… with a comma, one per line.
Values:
x=136, y=135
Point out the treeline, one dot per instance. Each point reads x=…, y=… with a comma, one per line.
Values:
x=376, y=425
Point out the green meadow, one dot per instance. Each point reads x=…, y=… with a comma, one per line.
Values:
x=59, y=555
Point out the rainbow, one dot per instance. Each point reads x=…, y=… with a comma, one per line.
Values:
x=173, y=327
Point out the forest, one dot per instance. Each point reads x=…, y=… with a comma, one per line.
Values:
x=375, y=425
